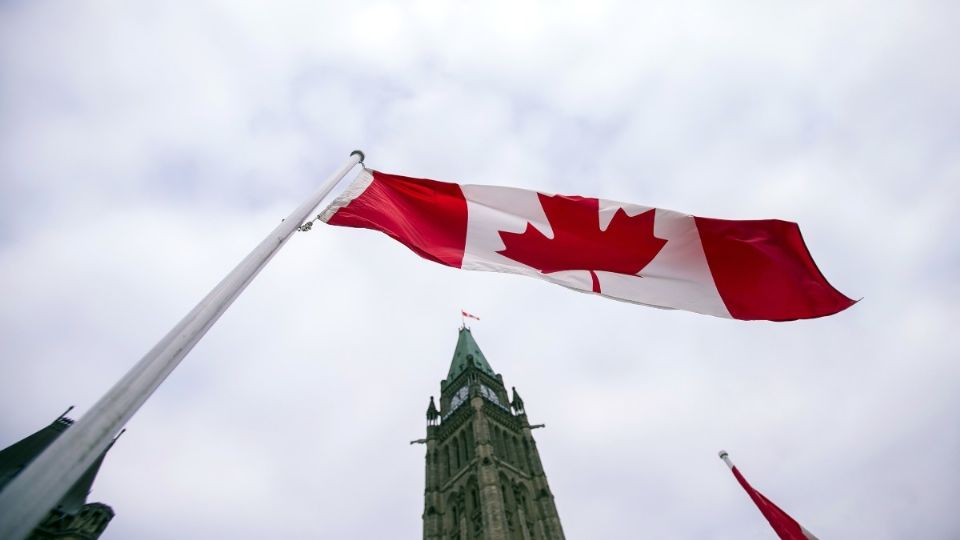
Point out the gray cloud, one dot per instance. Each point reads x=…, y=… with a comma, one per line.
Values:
x=144, y=149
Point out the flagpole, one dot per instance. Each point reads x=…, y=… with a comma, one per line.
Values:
x=28, y=498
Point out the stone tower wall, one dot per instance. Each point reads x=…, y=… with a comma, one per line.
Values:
x=484, y=478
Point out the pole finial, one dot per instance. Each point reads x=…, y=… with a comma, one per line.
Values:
x=723, y=454
x=70, y=408
x=359, y=153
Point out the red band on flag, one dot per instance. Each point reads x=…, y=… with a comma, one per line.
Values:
x=427, y=216
x=763, y=270
x=785, y=526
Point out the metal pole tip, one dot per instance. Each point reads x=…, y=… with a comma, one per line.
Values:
x=723, y=454
x=358, y=153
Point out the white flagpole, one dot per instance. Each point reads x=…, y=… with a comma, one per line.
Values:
x=27, y=498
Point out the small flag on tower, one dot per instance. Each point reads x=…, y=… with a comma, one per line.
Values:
x=468, y=315
x=785, y=526
x=748, y=270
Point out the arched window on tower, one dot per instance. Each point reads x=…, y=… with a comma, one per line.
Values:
x=501, y=452
x=530, y=513
x=462, y=447
x=505, y=445
x=526, y=456
x=473, y=511
x=454, y=526
x=446, y=462
x=509, y=505
x=456, y=453
x=468, y=438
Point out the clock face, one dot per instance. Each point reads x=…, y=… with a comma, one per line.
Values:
x=459, y=398
x=489, y=394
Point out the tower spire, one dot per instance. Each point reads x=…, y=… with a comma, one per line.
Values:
x=433, y=415
x=467, y=354
x=517, y=402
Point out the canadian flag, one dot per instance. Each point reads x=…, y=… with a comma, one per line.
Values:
x=785, y=526
x=749, y=270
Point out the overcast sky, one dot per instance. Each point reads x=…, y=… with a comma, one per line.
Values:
x=146, y=147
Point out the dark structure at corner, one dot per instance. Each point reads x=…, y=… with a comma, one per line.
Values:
x=73, y=518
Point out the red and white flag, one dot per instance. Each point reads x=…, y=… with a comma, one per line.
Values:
x=468, y=315
x=750, y=270
x=785, y=526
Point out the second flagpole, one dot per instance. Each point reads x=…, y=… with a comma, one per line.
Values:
x=28, y=497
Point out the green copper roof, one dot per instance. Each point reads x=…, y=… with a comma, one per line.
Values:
x=17, y=456
x=467, y=354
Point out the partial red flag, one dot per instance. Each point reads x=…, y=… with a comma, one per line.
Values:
x=468, y=315
x=749, y=270
x=785, y=526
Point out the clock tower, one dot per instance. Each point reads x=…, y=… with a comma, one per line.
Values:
x=484, y=479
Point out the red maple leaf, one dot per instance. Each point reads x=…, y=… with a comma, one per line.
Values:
x=626, y=247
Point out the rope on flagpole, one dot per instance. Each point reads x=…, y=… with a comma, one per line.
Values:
x=28, y=497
